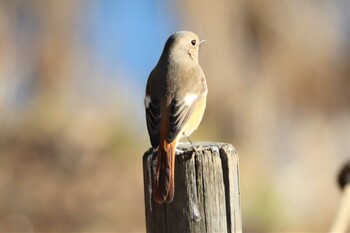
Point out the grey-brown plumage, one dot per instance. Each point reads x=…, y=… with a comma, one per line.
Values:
x=175, y=102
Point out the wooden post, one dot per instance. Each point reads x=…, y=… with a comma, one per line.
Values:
x=207, y=196
x=342, y=221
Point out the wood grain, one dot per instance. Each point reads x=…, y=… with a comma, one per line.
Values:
x=207, y=196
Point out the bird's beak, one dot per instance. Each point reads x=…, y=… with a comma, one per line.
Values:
x=202, y=41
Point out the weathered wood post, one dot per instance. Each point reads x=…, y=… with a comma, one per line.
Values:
x=342, y=221
x=207, y=195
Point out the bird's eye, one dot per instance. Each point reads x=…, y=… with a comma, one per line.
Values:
x=193, y=42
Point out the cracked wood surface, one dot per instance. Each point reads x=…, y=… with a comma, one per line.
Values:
x=207, y=196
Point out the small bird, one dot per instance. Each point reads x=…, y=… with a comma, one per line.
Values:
x=175, y=101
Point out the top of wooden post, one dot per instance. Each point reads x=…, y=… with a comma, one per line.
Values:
x=207, y=196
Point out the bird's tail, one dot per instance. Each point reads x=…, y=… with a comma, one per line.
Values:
x=163, y=185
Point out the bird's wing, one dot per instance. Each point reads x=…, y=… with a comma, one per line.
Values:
x=153, y=118
x=180, y=112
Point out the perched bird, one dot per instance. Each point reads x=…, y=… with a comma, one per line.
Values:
x=175, y=102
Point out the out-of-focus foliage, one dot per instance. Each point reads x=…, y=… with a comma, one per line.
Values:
x=71, y=138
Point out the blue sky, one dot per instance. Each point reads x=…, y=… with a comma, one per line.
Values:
x=128, y=35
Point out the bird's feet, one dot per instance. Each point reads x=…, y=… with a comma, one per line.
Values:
x=196, y=149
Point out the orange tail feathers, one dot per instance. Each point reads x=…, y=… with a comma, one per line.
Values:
x=163, y=185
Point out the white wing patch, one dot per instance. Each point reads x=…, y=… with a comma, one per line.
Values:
x=147, y=101
x=190, y=98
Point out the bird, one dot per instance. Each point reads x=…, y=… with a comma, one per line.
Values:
x=175, y=101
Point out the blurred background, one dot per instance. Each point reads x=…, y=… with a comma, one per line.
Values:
x=72, y=124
